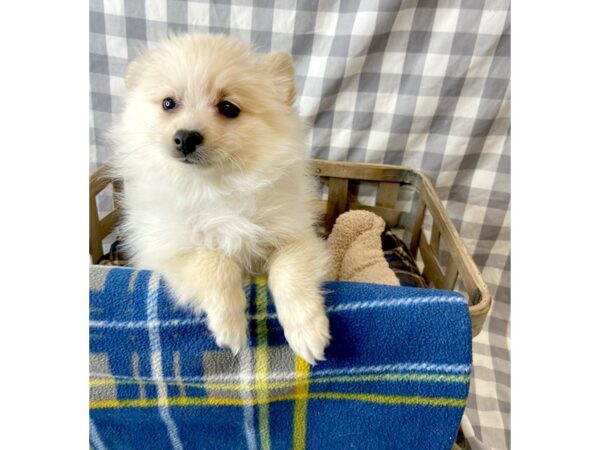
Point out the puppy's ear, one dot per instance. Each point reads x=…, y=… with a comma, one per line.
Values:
x=135, y=70
x=281, y=65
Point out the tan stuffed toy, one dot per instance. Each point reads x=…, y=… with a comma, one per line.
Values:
x=355, y=247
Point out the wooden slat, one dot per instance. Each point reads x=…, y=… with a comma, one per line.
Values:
x=387, y=194
x=391, y=216
x=435, y=239
x=337, y=201
x=480, y=300
x=366, y=172
x=95, y=239
x=99, y=229
x=466, y=266
x=406, y=220
x=108, y=222
x=99, y=180
x=415, y=234
x=450, y=276
x=353, y=187
x=117, y=192
x=432, y=270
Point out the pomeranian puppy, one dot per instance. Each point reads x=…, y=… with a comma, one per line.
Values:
x=217, y=187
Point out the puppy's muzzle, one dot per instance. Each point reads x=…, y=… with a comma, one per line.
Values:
x=187, y=141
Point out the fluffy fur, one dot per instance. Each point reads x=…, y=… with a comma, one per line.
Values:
x=245, y=203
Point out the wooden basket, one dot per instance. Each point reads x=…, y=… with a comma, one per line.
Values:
x=403, y=197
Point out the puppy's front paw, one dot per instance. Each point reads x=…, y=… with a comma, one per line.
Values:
x=230, y=332
x=309, y=336
x=230, y=326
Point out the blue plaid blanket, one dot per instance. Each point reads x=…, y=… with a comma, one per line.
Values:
x=396, y=375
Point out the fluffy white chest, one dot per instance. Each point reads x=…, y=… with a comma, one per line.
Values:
x=233, y=228
x=161, y=223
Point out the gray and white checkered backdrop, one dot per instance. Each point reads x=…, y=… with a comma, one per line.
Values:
x=419, y=83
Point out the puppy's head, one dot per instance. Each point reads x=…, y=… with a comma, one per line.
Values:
x=209, y=103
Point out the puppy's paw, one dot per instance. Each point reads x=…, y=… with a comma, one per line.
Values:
x=308, y=337
x=235, y=340
x=231, y=332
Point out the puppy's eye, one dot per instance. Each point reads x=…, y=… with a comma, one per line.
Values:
x=168, y=103
x=228, y=109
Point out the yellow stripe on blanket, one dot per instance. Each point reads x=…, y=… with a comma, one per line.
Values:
x=218, y=401
x=302, y=381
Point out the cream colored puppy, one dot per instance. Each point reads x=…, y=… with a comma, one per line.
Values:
x=214, y=161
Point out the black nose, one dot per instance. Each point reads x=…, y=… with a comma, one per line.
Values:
x=187, y=141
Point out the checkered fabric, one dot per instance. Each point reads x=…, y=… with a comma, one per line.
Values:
x=400, y=379
x=424, y=84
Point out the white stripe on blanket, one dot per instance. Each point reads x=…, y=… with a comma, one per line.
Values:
x=246, y=374
x=157, y=372
x=284, y=376
x=95, y=437
x=387, y=303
